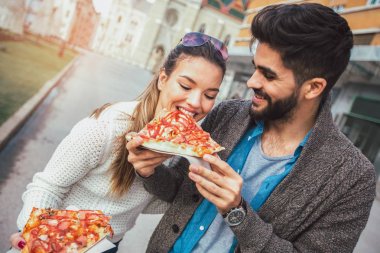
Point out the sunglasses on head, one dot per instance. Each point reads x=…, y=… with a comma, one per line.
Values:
x=195, y=39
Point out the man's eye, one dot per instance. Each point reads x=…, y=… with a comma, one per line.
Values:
x=184, y=87
x=268, y=76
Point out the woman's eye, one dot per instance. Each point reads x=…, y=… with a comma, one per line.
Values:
x=184, y=87
x=210, y=97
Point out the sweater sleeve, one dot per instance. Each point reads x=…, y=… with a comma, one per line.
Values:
x=337, y=230
x=75, y=156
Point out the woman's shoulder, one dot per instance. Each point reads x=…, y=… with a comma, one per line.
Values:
x=117, y=111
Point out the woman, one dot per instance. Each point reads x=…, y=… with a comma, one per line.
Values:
x=90, y=170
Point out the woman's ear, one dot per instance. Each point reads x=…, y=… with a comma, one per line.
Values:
x=162, y=78
x=315, y=87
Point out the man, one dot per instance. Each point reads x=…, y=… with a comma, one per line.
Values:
x=291, y=181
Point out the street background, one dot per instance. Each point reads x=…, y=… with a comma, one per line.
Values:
x=61, y=59
x=79, y=93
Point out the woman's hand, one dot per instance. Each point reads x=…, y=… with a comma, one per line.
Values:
x=143, y=160
x=17, y=241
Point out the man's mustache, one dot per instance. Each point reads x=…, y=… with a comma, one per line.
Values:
x=261, y=93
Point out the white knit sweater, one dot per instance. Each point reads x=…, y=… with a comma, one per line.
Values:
x=76, y=174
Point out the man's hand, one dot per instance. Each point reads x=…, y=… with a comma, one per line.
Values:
x=221, y=185
x=143, y=160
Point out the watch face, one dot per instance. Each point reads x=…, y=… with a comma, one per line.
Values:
x=235, y=217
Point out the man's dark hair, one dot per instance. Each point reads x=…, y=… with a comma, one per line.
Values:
x=312, y=40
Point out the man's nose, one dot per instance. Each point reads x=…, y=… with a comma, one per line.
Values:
x=254, y=81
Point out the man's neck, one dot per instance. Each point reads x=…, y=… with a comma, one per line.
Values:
x=282, y=137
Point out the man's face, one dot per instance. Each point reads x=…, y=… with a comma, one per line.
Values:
x=275, y=90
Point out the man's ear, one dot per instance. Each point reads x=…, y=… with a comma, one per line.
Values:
x=314, y=88
x=162, y=78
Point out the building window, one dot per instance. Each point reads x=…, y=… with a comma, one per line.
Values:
x=202, y=28
x=373, y=2
x=227, y=40
x=171, y=17
x=363, y=39
x=128, y=38
x=338, y=8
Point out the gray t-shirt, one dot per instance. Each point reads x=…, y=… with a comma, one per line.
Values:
x=219, y=236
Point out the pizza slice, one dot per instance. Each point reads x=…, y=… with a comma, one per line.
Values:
x=64, y=231
x=178, y=133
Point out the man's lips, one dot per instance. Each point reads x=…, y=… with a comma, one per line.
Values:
x=258, y=99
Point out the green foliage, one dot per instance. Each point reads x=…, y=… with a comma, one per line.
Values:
x=25, y=66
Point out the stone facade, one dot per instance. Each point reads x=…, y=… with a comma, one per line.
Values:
x=145, y=31
x=12, y=14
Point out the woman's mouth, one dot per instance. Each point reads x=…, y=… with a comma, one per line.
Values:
x=192, y=114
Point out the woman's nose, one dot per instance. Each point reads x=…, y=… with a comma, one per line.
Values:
x=194, y=99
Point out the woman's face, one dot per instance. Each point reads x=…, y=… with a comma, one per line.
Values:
x=191, y=88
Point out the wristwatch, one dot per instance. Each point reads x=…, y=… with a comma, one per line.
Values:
x=236, y=215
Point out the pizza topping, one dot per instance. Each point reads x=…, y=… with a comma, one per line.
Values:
x=53, y=223
x=180, y=129
x=65, y=230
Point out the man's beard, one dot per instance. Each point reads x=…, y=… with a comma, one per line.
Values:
x=280, y=110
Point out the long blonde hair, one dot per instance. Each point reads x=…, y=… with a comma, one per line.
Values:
x=122, y=172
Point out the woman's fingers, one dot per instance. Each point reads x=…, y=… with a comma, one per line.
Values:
x=143, y=160
x=130, y=136
x=17, y=241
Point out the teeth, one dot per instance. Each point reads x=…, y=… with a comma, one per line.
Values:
x=187, y=112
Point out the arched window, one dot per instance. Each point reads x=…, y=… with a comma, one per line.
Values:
x=171, y=17
x=227, y=40
x=202, y=28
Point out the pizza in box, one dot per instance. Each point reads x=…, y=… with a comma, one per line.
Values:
x=178, y=133
x=64, y=231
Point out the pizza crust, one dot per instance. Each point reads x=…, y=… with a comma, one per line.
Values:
x=170, y=147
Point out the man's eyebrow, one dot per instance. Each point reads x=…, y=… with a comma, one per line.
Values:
x=192, y=81
x=264, y=69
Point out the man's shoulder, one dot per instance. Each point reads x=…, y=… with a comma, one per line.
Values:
x=352, y=157
x=231, y=106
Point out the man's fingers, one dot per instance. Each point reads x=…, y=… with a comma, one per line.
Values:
x=216, y=200
x=208, y=185
x=220, y=165
x=210, y=175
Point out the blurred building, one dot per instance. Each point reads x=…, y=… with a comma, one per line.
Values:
x=356, y=96
x=12, y=14
x=143, y=32
x=120, y=30
x=72, y=21
x=84, y=24
x=41, y=17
